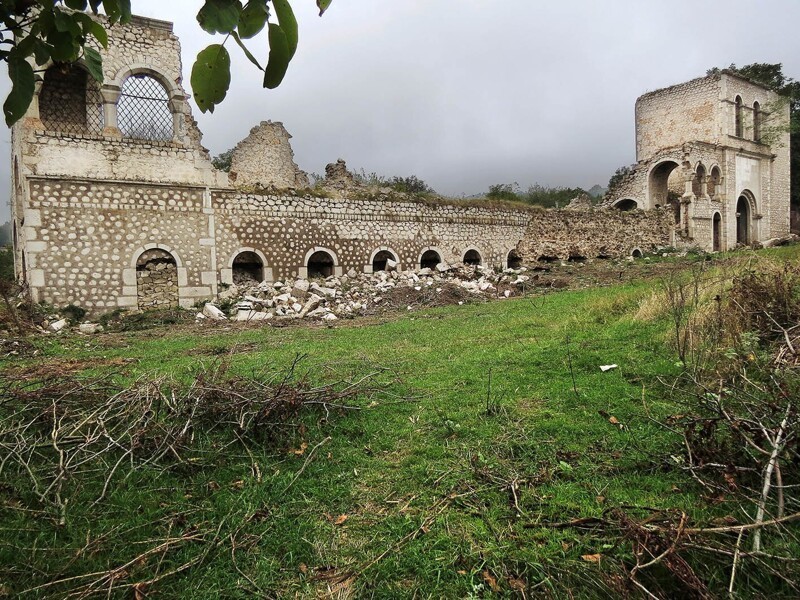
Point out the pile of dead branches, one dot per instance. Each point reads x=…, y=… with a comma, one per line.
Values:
x=56, y=431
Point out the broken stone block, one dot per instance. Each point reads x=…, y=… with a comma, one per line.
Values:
x=391, y=265
x=297, y=307
x=425, y=272
x=90, y=328
x=57, y=326
x=330, y=317
x=212, y=312
x=311, y=304
x=300, y=288
x=443, y=267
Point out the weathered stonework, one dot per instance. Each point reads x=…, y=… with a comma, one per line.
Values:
x=715, y=153
x=265, y=159
x=126, y=210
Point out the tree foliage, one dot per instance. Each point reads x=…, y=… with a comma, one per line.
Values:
x=619, y=175
x=536, y=194
x=37, y=32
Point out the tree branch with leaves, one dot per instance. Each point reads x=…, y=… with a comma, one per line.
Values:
x=35, y=33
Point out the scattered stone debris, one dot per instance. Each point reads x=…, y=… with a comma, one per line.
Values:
x=355, y=294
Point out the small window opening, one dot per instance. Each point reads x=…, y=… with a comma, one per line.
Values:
x=738, y=117
x=472, y=258
x=717, y=232
x=143, y=110
x=636, y=253
x=713, y=182
x=698, y=182
x=248, y=268
x=429, y=260
x=320, y=264
x=70, y=101
x=381, y=259
x=514, y=260
x=757, y=122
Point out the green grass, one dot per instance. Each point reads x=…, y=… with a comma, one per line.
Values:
x=426, y=482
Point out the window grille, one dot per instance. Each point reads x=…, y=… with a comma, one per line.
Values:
x=70, y=101
x=143, y=110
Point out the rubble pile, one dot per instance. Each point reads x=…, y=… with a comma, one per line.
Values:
x=355, y=294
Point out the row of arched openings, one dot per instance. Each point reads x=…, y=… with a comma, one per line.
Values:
x=157, y=270
x=71, y=102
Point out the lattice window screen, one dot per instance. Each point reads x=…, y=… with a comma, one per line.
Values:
x=70, y=101
x=143, y=110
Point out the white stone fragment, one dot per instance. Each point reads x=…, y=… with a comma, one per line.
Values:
x=90, y=328
x=57, y=326
x=214, y=313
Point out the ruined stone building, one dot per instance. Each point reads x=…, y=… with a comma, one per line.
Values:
x=715, y=152
x=116, y=203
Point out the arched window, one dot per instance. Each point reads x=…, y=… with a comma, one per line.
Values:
x=757, y=121
x=70, y=101
x=739, y=121
x=473, y=258
x=320, y=264
x=143, y=111
x=381, y=259
x=699, y=188
x=714, y=181
x=429, y=259
x=626, y=205
x=248, y=268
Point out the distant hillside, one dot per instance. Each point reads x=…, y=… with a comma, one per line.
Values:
x=597, y=191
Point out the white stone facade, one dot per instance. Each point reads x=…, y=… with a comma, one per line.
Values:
x=715, y=152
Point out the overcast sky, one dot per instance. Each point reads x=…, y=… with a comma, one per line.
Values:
x=467, y=93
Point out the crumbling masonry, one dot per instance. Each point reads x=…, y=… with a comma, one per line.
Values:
x=116, y=203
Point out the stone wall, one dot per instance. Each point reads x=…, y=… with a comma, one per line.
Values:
x=102, y=245
x=677, y=114
x=597, y=233
x=265, y=159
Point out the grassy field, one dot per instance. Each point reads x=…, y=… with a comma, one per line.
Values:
x=493, y=426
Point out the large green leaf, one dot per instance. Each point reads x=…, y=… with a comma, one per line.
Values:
x=288, y=23
x=323, y=6
x=64, y=47
x=92, y=27
x=18, y=101
x=219, y=16
x=253, y=18
x=211, y=77
x=94, y=63
x=279, y=57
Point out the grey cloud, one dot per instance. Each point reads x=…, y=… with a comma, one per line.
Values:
x=467, y=94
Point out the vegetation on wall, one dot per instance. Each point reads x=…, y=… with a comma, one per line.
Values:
x=536, y=194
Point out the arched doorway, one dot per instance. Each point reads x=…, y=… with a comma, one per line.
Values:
x=429, y=259
x=156, y=280
x=248, y=268
x=320, y=264
x=666, y=186
x=473, y=258
x=381, y=259
x=743, y=221
x=716, y=228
